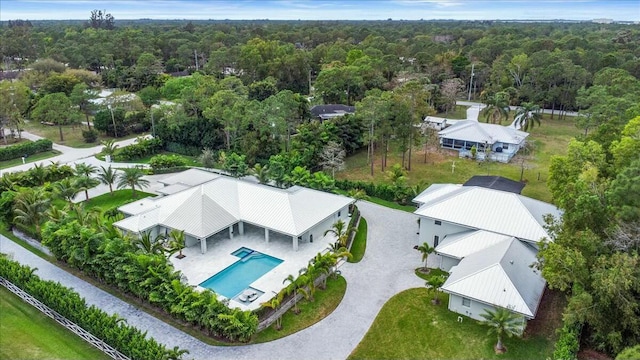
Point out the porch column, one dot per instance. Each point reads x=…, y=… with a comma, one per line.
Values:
x=203, y=245
x=241, y=227
x=266, y=235
x=295, y=243
x=231, y=232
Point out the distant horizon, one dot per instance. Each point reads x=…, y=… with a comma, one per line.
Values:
x=325, y=10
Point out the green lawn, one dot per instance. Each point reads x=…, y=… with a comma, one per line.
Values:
x=72, y=134
x=191, y=160
x=432, y=272
x=359, y=242
x=118, y=198
x=551, y=138
x=26, y=333
x=410, y=327
x=31, y=158
x=459, y=113
x=391, y=204
x=311, y=312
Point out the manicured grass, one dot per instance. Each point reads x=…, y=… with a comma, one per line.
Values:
x=359, y=242
x=31, y=158
x=431, y=273
x=459, y=113
x=191, y=160
x=551, y=138
x=391, y=204
x=410, y=327
x=119, y=197
x=72, y=134
x=29, y=334
x=311, y=312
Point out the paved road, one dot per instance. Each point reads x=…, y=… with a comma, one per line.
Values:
x=70, y=155
x=386, y=269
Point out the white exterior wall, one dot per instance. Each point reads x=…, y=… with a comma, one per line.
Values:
x=473, y=311
x=190, y=241
x=428, y=229
x=318, y=230
x=448, y=262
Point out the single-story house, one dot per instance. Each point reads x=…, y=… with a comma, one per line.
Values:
x=329, y=111
x=487, y=240
x=227, y=204
x=502, y=142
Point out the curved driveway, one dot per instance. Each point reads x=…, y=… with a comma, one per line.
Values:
x=386, y=269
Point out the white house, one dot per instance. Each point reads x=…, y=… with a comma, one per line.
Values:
x=486, y=239
x=206, y=207
x=502, y=142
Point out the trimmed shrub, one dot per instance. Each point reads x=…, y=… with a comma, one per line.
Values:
x=568, y=343
x=144, y=147
x=90, y=136
x=125, y=338
x=25, y=148
x=166, y=161
x=183, y=149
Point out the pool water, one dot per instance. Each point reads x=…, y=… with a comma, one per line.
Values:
x=242, y=252
x=239, y=275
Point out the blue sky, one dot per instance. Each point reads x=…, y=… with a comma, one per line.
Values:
x=325, y=9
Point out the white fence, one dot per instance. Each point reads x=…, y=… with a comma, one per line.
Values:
x=73, y=327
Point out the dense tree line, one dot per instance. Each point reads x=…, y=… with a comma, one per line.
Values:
x=595, y=253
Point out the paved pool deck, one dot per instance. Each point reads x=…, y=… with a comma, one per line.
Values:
x=198, y=267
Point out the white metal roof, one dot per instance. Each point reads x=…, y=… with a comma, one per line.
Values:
x=172, y=189
x=500, y=275
x=487, y=209
x=435, y=191
x=191, y=177
x=465, y=243
x=474, y=131
x=208, y=208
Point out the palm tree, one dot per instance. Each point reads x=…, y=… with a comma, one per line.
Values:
x=55, y=214
x=527, y=115
x=497, y=108
x=85, y=183
x=109, y=147
x=426, y=250
x=84, y=216
x=149, y=245
x=357, y=194
x=293, y=285
x=502, y=322
x=30, y=207
x=434, y=283
x=65, y=189
x=132, y=177
x=274, y=303
x=340, y=231
x=261, y=172
x=177, y=241
x=83, y=169
x=108, y=176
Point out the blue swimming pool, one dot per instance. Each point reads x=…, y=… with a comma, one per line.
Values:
x=239, y=275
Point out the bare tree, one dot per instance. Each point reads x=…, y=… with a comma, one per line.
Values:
x=625, y=237
x=450, y=89
x=333, y=157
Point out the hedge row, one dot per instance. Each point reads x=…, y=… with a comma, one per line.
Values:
x=25, y=148
x=143, y=147
x=568, y=342
x=381, y=191
x=110, y=328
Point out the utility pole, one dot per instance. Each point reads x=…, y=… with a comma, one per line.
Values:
x=471, y=81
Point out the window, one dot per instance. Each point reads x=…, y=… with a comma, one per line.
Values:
x=505, y=146
x=466, y=302
x=339, y=213
x=438, y=222
x=436, y=240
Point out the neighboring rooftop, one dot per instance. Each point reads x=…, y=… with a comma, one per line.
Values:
x=500, y=275
x=474, y=131
x=496, y=183
x=329, y=111
x=465, y=243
